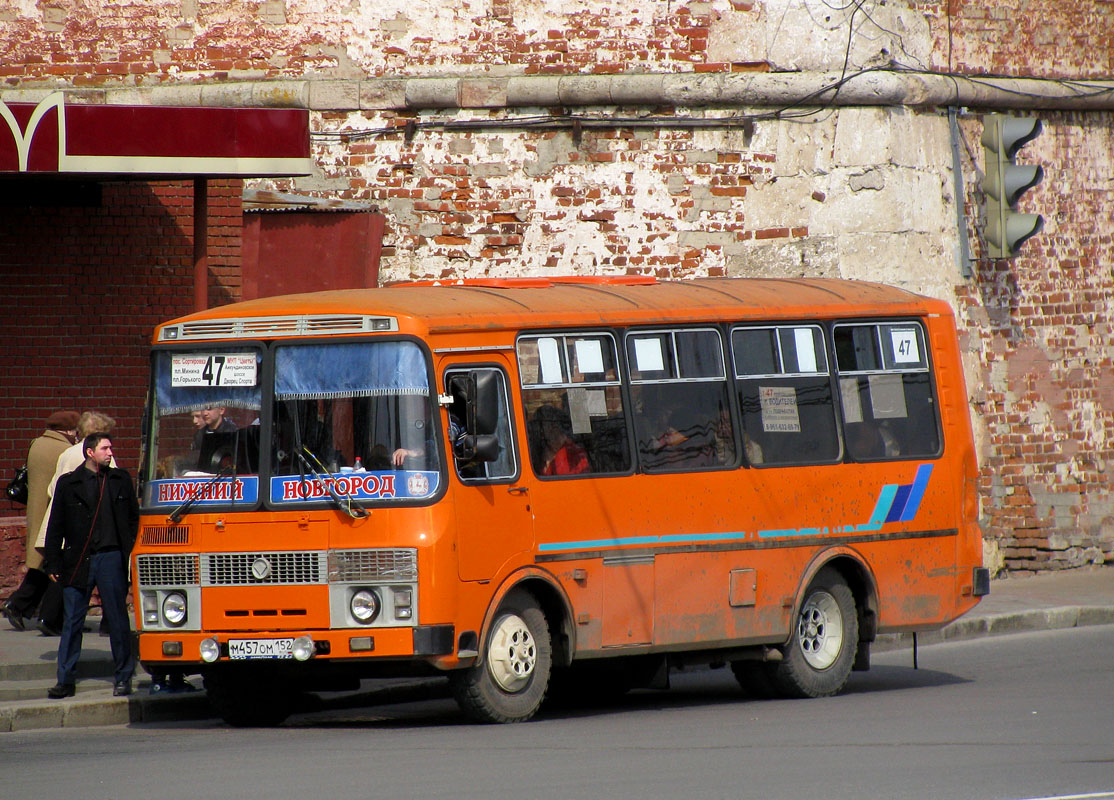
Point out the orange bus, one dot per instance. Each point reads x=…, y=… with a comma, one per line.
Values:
x=565, y=485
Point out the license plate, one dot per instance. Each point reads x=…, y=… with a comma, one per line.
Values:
x=260, y=648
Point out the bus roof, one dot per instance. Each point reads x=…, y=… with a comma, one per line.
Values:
x=514, y=304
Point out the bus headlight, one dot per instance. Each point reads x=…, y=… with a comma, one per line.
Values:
x=174, y=608
x=210, y=650
x=364, y=606
x=303, y=648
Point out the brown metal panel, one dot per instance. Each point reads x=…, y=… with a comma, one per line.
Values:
x=307, y=251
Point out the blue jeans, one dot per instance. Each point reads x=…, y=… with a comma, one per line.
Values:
x=107, y=574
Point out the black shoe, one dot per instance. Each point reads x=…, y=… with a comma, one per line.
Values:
x=58, y=691
x=14, y=618
x=46, y=629
x=122, y=689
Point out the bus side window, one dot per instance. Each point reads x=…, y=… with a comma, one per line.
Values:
x=682, y=412
x=475, y=470
x=573, y=401
x=785, y=395
x=885, y=384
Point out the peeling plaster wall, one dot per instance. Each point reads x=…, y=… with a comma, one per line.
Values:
x=854, y=192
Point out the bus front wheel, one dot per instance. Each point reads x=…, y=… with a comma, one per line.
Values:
x=817, y=661
x=510, y=683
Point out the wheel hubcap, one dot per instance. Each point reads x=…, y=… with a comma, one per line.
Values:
x=820, y=630
x=512, y=653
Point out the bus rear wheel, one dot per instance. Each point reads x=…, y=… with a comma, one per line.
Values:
x=510, y=682
x=818, y=659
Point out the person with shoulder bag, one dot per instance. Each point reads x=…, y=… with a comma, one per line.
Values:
x=41, y=459
x=89, y=537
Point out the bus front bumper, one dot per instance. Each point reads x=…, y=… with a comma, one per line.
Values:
x=188, y=648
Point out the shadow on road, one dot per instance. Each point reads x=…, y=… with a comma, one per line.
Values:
x=430, y=704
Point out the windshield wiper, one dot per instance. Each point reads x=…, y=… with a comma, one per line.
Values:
x=345, y=503
x=177, y=513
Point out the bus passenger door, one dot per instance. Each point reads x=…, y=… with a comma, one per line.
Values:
x=492, y=511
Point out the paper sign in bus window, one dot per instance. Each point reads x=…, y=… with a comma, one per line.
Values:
x=578, y=411
x=806, y=349
x=550, y=356
x=849, y=395
x=583, y=405
x=887, y=396
x=906, y=349
x=779, y=409
x=215, y=369
x=589, y=356
x=648, y=355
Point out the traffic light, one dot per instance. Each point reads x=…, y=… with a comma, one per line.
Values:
x=1006, y=181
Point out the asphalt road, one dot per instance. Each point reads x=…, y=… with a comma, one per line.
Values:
x=998, y=718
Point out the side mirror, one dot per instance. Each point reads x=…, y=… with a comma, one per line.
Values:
x=485, y=402
x=480, y=392
x=478, y=448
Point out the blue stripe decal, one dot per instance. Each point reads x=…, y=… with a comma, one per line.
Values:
x=769, y=534
x=896, y=503
x=599, y=543
x=701, y=537
x=885, y=501
x=920, y=483
x=898, y=508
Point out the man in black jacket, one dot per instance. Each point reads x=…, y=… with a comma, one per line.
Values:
x=89, y=537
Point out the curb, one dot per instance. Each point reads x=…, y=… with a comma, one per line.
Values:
x=1045, y=619
x=101, y=708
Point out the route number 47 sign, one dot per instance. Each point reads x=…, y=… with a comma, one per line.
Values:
x=228, y=369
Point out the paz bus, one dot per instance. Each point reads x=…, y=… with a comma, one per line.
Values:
x=562, y=485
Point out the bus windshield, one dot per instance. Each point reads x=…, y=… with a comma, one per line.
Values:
x=349, y=422
x=357, y=418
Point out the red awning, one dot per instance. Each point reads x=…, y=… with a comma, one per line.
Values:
x=55, y=137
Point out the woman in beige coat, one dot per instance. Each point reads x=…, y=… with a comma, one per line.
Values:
x=42, y=458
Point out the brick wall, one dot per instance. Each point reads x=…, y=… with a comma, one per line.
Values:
x=83, y=289
x=105, y=42
x=1041, y=372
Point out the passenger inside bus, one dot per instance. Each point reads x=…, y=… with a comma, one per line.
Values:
x=684, y=441
x=559, y=453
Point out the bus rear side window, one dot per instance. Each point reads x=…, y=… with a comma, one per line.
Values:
x=573, y=402
x=885, y=385
x=682, y=412
x=785, y=395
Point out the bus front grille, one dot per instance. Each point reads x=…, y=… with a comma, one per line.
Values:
x=380, y=564
x=263, y=569
x=180, y=569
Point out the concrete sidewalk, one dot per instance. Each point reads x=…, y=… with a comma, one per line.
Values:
x=27, y=660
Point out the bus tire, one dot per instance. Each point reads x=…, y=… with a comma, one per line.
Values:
x=510, y=683
x=247, y=701
x=818, y=658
